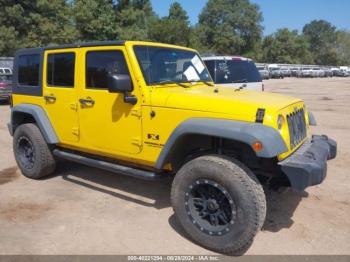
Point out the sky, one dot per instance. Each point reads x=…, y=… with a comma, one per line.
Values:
x=293, y=14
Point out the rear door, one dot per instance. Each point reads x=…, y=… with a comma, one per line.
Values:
x=60, y=94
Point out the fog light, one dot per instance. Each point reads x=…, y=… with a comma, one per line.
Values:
x=257, y=146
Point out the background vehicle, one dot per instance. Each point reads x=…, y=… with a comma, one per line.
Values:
x=327, y=72
x=307, y=72
x=234, y=71
x=344, y=71
x=318, y=72
x=336, y=71
x=276, y=72
x=295, y=72
x=5, y=87
x=264, y=72
x=162, y=116
x=286, y=72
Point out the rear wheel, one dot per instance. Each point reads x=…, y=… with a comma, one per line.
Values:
x=32, y=153
x=219, y=203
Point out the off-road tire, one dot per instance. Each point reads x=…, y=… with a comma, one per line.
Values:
x=240, y=184
x=43, y=163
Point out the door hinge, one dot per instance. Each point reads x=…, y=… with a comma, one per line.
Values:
x=136, y=141
x=75, y=131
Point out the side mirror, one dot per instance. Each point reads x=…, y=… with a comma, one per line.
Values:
x=119, y=83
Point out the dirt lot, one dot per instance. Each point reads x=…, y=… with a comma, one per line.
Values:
x=82, y=210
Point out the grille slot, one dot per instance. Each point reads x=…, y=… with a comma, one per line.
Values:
x=297, y=127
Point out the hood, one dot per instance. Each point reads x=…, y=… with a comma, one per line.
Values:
x=225, y=101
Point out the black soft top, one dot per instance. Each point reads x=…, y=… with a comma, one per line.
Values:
x=77, y=45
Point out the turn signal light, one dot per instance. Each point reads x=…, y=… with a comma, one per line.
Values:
x=257, y=146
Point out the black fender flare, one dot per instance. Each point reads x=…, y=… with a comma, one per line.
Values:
x=246, y=132
x=41, y=119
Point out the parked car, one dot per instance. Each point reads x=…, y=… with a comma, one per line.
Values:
x=95, y=108
x=336, y=71
x=5, y=87
x=307, y=72
x=264, y=72
x=234, y=71
x=344, y=71
x=318, y=72
x=286, y=72
x=276, y=72
x=295, y=71
x=328, y=72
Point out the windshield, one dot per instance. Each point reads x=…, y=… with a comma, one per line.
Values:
x=166, y=65
x=234, y=71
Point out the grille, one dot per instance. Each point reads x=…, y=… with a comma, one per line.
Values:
x=297, y=127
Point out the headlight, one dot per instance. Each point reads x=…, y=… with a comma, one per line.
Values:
x=279, y=122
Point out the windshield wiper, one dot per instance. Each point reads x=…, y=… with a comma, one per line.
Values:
x=244, y=80
x=197, y=81
x=171, y=82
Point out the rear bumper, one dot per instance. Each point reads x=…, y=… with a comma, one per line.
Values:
x=4, y=96
x=308, y=165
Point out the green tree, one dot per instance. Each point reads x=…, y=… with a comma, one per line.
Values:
x=134, y=19
x=27, y=23
x=230, y=26
x=286, y=46
x=51, y=23
x=174, y=28
x=322, y=37
x=95, y=19
x=343, y=47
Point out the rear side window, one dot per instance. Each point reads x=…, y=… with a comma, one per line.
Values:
x=235, y=71
x=101, y=63
x=28, y=70
x=60, y=69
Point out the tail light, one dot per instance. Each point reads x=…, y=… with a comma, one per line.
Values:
x=3, y=85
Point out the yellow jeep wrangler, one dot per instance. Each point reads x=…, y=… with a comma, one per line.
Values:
x=151, y=110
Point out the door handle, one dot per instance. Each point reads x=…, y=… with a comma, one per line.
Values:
x=50, y=98
x=87, y=102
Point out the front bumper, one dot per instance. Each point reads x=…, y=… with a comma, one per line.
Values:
x=308, y=165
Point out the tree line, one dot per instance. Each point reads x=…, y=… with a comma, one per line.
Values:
x=224, y=27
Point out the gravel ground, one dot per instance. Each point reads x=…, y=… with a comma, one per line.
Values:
x=82, y=210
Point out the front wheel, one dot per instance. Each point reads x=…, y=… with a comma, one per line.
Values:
x=219, y=203
x=32, y=154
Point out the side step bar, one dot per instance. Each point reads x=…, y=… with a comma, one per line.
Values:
x=115, y=168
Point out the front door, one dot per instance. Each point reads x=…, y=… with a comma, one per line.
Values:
x=108, y=125
x=60, y=94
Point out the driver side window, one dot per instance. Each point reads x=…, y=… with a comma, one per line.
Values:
x=101, y=63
